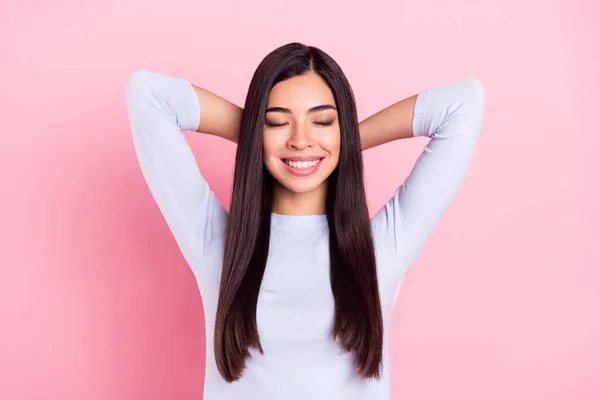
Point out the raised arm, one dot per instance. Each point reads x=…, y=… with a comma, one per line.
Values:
x=160, y=107
x=451, y=116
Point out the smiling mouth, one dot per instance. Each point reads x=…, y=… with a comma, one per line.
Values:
x=302, y=164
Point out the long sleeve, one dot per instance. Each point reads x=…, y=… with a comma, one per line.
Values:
x=451, y=116
x=160, y=107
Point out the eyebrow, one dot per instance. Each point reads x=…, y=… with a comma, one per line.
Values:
x=311, y=110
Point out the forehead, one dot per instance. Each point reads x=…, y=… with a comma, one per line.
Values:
x=301, y=92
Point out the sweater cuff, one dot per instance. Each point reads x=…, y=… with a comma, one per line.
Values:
x=187, y=107
x=419, y=125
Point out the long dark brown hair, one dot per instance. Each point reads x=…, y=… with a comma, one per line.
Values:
x=358, y=325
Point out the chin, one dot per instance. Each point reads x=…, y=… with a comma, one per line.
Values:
x=298, y=185
x=302, y=188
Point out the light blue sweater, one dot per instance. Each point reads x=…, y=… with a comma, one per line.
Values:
x=295, y=310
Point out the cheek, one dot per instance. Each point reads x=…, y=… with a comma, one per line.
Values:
x=267, y=145
x=271, y=147
x=331, y=143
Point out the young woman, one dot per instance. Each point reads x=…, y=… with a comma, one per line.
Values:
x=298, y=283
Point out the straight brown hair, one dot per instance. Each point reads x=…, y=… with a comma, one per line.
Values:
x=358, y=325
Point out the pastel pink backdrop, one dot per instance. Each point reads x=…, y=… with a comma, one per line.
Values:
x=96, y=302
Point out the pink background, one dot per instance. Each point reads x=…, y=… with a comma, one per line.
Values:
x=96, y=302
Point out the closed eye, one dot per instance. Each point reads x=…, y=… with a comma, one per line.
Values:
x=328, y=123
x=325, y=123
x=273, y=125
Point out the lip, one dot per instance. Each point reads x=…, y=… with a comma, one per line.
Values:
x=306, y=171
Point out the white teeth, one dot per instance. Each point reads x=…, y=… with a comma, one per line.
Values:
x=302, y=164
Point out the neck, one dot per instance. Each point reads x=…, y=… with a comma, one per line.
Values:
x=287, y=202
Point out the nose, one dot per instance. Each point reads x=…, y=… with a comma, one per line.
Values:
x=301, y=136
